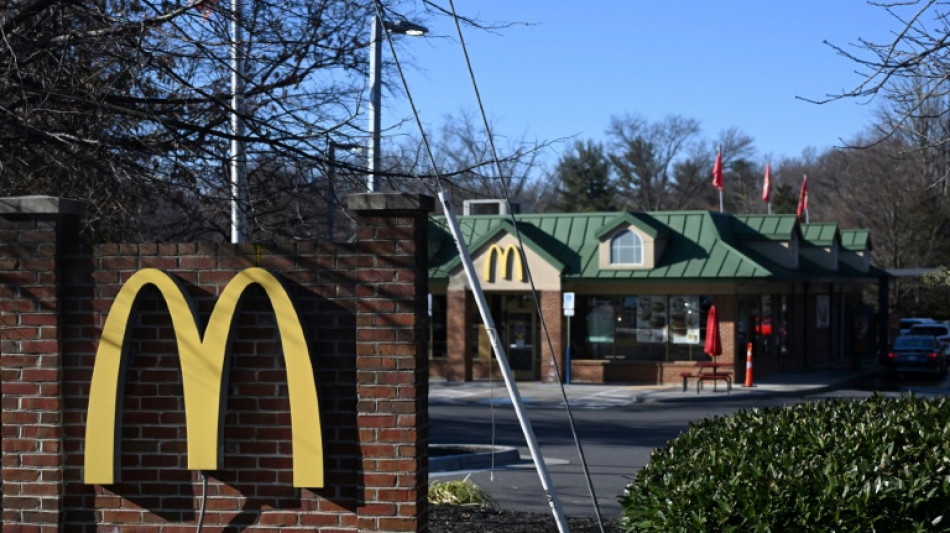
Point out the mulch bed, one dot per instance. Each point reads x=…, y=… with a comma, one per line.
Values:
x=460, y=519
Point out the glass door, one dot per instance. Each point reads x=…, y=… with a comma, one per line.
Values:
x=520, y=335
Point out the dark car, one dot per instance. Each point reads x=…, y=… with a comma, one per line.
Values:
x=915, y=354
x=936, y=329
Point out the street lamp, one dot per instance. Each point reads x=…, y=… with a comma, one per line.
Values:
x=331, y=176
x=403, y=27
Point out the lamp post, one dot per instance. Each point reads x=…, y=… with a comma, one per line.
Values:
x=238, y=155
x=402, y=27
x=331, y=178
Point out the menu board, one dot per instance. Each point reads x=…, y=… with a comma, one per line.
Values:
x=684, y=319
x=652, y=318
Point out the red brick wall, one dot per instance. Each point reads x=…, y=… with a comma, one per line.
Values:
x=459, y=306
x=358, y=304
x=31, y=357
x=553, y=317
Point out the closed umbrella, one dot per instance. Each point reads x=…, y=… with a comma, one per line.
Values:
x=713, y=343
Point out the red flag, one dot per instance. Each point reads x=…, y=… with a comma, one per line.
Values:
x=803, y=198
x=767, y=186
x=717, y=171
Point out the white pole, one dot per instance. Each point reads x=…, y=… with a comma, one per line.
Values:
x=503, y=365
x=237, y=126
x=375, y=93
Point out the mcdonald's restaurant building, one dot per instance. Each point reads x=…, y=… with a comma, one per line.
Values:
x=624, y=296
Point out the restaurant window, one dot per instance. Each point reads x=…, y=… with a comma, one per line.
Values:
x=641, y=327
x=600, y=326
x=626, y=248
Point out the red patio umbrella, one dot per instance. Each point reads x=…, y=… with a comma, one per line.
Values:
x=713, y=343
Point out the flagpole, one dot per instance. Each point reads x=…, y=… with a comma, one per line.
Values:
x=770, y=207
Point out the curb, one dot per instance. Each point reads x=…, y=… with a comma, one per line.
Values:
x=452, y=457
x=782, y=391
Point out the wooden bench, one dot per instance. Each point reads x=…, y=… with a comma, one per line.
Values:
x=715, y=378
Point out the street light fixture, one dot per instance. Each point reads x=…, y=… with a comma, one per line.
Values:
x=403, y=27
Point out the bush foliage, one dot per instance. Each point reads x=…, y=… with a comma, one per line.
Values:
x=459, y=492
x=879, y=464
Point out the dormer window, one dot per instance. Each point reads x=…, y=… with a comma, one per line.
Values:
x=626, y=248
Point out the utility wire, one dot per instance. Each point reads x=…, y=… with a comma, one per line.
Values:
x=534, y=292
x=493, y=334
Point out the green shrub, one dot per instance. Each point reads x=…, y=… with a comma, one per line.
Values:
x=880, y=464
x=460, y=492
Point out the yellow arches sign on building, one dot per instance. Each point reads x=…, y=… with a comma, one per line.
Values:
x=202, y=359
x=504, y=254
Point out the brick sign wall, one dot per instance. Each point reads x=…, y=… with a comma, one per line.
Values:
x=361, y=306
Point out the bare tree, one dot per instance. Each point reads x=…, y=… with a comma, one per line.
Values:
x=467, y=166
x=909, y=69
x=643, y=155
x=127, y=104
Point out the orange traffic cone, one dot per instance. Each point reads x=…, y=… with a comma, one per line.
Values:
x=748, y=366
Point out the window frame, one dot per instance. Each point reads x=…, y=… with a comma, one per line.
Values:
x=636, y=246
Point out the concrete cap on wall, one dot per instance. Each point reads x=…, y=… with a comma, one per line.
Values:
x=390, y=202
x=40, y=205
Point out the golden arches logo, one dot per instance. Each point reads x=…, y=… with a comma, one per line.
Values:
x=202, y=359
x=503, y=256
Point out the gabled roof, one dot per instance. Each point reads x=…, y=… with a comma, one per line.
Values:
x=481, y=231
x=820, y=234
x=641, y=221
x=856, y=239
x=701, y=245
x=765, y=227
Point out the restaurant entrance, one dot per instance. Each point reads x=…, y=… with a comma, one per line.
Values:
x=515, y=317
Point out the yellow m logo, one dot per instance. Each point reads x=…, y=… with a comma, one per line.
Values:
x=503, y=256
x=202, y=359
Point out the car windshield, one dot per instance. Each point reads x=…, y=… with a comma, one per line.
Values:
x=905, y=343
x=928, y=330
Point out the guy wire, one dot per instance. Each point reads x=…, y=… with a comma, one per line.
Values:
x=534, y=292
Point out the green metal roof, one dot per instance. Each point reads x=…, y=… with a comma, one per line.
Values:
x=700, y=245
x=820, y=234
x=856, y=239
x=765, y=227
x=644, y=223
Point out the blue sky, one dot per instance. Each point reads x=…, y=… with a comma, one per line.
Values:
x=571, y=65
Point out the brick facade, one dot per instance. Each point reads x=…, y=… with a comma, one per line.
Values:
x=362, y=306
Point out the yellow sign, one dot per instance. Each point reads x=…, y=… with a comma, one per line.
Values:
x=202, y=359
x=503, y=255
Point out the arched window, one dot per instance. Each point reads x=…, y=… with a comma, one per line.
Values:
x=626, y=248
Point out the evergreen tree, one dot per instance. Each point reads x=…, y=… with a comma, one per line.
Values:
x=582, y=178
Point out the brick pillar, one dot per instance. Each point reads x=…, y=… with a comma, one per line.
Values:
x=727, y=308
x=458, y=310
x=33, y=232
x=392, y=359
x=553, y=317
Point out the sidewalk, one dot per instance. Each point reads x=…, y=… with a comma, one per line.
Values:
x=603, y=396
